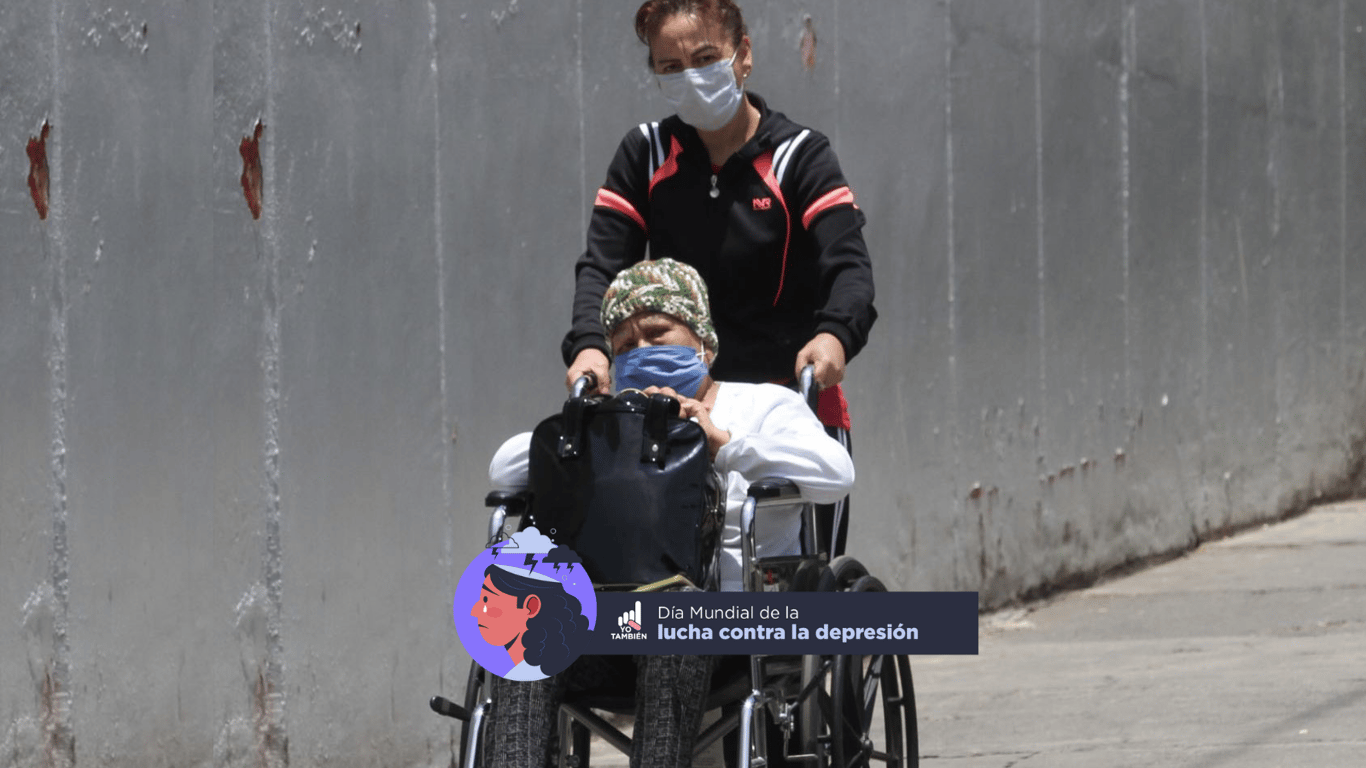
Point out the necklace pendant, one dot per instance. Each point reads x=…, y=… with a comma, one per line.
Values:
x=714, y=193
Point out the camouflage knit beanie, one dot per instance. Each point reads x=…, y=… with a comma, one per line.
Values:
x=660, y=285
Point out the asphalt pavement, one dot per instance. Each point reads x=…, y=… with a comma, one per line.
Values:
x=1249, y=651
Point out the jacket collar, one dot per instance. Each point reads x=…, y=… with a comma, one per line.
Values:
x=774, y=128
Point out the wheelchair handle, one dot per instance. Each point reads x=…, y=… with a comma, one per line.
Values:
x=806, y=384
x=584, y=384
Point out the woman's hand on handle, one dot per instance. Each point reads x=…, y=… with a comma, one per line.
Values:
x=698, y=411
x=590, y=360
x=826, y=353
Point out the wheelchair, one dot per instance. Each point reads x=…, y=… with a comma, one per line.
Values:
x=810, y=710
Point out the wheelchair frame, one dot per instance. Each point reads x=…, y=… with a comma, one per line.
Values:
x=826, y=701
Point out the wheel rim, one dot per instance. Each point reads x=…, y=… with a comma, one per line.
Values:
x=848, y=699
x=892, y=707
x=854, y=685
x=907, y=706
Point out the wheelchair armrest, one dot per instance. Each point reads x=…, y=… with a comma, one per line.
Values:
x=770, y=491
x=773, y=489
x=515, y=501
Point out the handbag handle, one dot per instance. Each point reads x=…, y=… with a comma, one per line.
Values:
x=576, y=411
x=658, y=411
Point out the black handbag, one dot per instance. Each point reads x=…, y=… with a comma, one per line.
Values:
x=629, y=486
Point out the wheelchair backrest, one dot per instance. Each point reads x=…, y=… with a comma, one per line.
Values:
x=629, y=486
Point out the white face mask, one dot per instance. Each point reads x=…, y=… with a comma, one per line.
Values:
x=706, y=97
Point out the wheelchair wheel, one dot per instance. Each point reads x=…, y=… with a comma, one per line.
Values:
x=912, y=735
x=855, y=690
x=812, y=576
x=846, y=570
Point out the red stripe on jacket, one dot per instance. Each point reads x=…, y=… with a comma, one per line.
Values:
x=612, y=201
x=670, y=166
x=836, y=196
x=764, y=165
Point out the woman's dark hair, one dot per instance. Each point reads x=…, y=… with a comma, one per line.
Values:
x=653, y=13
x=551, y=638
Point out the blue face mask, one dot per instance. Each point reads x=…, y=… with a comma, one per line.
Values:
x=667, y=365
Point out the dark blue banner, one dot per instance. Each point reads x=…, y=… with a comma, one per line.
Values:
x=857, y=623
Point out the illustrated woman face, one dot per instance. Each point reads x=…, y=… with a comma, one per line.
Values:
x=501, y=621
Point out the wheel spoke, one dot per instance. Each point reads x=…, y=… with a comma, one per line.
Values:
x=870, y=682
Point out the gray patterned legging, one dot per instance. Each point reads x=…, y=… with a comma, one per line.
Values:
x=671, y=692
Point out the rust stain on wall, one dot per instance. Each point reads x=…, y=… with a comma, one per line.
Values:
x=251, y=169
x=37, y=169
x=808, y=44
x=272, y=744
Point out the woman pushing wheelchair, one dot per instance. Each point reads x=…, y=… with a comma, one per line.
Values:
x=758, y=203
x=657, y=318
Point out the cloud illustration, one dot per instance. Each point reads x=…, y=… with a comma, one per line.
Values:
x=532, y=541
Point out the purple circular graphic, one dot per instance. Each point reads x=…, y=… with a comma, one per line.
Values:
x=527, y=554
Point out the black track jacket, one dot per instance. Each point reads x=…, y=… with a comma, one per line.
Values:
x=780, y=241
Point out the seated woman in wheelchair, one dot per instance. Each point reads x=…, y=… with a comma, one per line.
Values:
x=658, y=321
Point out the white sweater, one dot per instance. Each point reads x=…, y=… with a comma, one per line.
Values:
x=772, y=434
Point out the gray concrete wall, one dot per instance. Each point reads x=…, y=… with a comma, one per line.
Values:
x=1118, y=253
